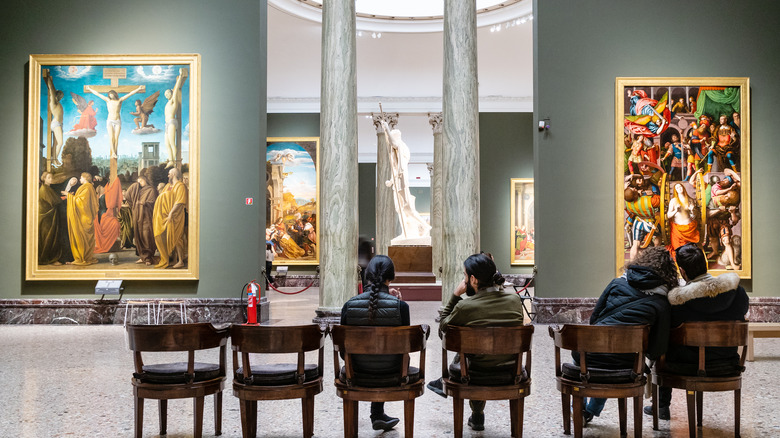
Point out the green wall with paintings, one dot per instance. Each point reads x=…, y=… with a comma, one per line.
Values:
x=231, y=42
x=580, y=47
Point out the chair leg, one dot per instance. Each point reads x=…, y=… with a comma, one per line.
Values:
x=737, y=410
x=577, y=417
x=457, y=414
x=638, y=417
x=656, y=398
x=163, y=413
x=307, y=407
x=566, y=406
x=350, y=419
x=691, y=397
x=198, y=408
x=253, y=418
x=516, y=407
x=699, y=403
x=512, y=416
x=409, y=418
x=244, y=407
x=218, y=413
x=622, y=416
x=139, y=417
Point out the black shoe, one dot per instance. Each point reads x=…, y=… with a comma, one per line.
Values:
x=384, y=422
x=477, y=421
x=663, y=413
x=437, y=386
x=587, y=417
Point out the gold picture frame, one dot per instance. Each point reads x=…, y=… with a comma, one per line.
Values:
x=293, y=199
x=682, y=160
x=115, y=118
x=522, y=222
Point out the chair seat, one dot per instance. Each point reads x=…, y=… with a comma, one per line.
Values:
x=368, y=380
x=177, y=372
x=598, y=375
x=276, y=374
x=494, y=377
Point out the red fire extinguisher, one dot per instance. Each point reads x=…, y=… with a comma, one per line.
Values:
x=252, y=291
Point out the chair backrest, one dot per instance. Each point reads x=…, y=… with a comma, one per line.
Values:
x=601, y=339
x=267, y=339
x=711, y=334
x=379, y=340
x=176, y=337
x=488, y=341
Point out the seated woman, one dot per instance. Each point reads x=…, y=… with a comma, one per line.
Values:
x=637, y=297
x=376, y=306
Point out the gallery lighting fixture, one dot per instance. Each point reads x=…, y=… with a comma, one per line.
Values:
x=512, y=23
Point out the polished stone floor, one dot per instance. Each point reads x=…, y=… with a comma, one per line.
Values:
x=74, y=381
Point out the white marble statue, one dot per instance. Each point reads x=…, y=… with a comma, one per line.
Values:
x=414, y=229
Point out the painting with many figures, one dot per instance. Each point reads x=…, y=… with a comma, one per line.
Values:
x=112, y=167
x=292, y=200
x=522, y=221
x=683, y=168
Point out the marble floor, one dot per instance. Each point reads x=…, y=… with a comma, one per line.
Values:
x=74, y=381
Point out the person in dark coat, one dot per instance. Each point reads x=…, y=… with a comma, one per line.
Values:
x=637, y=297
x=703, y=298
x=377, y=307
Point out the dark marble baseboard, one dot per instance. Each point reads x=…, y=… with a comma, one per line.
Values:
x=297, y=281
x=578, y=310
x=88, y=311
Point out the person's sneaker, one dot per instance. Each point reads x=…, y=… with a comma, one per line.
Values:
x=663, y=413
x=587, y=417
x=477, y=421
x=437, y=386
x=384, y=422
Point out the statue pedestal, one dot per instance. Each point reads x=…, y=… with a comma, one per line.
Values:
x=413, y=263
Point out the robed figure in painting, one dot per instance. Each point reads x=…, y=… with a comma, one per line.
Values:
x=169, y=220
x=49, y=250
x=107, y=228
x=141, y=197
x=82, y=211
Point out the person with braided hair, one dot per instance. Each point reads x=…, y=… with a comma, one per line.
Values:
x=377, y=306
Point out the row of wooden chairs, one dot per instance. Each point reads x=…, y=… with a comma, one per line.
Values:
x=276, y=381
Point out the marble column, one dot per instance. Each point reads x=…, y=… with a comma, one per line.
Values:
x=435, y=120
x=460, y=154
x=338, y=160
x=386, y=216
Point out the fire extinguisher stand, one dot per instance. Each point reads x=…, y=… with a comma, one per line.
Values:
x=252, y=293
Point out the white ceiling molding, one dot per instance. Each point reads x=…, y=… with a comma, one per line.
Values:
x=405, y=105
x=405, y=25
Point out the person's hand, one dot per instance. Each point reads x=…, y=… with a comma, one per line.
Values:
x=396, y=293
x=461, y=289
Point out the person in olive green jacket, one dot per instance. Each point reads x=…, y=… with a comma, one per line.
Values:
x=488, y=305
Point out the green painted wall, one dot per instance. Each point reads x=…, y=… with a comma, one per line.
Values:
x=580, y=47
x=231, y=41
x=505, y=152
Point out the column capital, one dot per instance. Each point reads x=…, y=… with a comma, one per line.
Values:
x=430, y=168
x=390, y=118
x=435, y=119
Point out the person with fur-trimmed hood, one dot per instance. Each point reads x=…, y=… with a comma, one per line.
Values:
x=702, y=298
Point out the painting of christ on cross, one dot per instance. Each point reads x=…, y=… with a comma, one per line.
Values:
x=112, y=167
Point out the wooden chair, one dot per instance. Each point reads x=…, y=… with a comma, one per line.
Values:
x=585, y=381
x=513, y=385
x=702, y=335
x=353, y=386
x=277, y=381
x=178, y=379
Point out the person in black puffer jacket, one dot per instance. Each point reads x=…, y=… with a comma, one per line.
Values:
x=637, y=297
x=703, y=298
x=377, y=307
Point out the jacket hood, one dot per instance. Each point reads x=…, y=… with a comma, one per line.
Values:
x=646, y=280
x=703, y=286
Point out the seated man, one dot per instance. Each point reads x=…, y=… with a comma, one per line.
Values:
x=703, y=298
x=488, y=305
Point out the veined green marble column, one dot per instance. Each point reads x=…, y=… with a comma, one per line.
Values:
x=435, y=120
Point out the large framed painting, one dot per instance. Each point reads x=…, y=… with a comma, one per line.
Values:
x=113, y=167
x=522, y=221
x=683, y=168
x=293, y=199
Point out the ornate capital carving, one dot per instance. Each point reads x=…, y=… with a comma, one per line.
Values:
x=390, y=118
x=435, y=119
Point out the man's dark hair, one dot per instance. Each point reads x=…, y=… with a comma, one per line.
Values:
x=482, y=267
x=690, y=258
